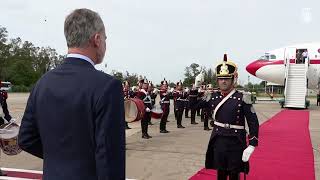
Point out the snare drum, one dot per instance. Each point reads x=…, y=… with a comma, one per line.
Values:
x=156, y=112
x=134, y=109
x=9, y=139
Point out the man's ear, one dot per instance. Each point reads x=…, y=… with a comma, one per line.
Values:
x=96, y=40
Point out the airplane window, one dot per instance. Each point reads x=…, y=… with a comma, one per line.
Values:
x=268, y=57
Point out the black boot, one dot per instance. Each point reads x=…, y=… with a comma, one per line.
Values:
x=234, y=176
x=180, y=126
x=164, y=131
x=207, y=129
x=222, y=175
x=145, y=136
x=149, y=136
x=194, y=122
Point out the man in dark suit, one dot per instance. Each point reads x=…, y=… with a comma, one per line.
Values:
x=74, y=117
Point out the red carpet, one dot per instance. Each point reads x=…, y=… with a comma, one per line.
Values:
x=284, y=151
x=21, y=173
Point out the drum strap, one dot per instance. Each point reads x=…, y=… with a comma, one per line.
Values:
x=222, y=102
x=1, y=110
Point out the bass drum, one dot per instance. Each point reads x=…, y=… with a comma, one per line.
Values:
x=9, y=139
x=134, y=109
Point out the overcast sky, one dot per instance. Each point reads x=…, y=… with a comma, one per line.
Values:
x=160, y=38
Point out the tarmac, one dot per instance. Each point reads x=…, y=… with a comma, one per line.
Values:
x=173, y=156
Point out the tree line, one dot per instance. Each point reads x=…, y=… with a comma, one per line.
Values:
x=22, y=63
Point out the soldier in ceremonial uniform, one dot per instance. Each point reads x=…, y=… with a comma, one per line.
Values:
x=193, y=103
x=180, y=97
x=127, y=94
x=153, y=96
x=206, y=109
x=145, y=96
x=4, y=108
x=4, y=113
x=228, y=151
x=186, y=108
x=318, y=99
x=174, y=103
x=165, y=105
x=201, y=92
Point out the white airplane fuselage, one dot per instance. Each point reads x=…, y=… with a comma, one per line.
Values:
x=271, y=66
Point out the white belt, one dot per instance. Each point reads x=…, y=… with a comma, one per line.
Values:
x=228, y=126
x=165, y=102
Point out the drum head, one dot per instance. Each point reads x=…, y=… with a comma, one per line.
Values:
x=131, y=110
x=10, y=131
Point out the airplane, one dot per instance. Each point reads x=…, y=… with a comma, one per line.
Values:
x=271, y=66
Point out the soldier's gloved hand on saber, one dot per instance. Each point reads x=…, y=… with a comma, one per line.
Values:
x=247, y=153
x=147, y=110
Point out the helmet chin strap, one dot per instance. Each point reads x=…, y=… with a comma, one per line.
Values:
x=235, y=80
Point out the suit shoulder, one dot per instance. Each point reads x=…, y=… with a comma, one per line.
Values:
x=105, y=78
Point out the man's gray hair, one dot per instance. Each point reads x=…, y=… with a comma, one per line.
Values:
x=80, y=25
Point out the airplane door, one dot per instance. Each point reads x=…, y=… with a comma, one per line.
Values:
x=302, y=56
x=290, y=55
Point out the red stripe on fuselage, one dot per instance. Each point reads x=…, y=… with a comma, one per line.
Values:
x=254, y=66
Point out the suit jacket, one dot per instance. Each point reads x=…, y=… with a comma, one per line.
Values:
x=74, y=120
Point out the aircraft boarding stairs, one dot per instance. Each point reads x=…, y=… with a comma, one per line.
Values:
x=296, y=85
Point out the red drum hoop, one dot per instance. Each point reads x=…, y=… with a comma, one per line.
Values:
x=156, y=112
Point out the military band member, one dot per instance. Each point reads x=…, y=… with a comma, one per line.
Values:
x=153, y=97
x=180, y=97
x=202, y=91
x=186, y=108
x=227, y=151
x=208, y=111
x=175, y=110
x=145, y=96
x=127, y=94
x=165, y=105
x=4, y=114
x=318, y=99
x=193, y=103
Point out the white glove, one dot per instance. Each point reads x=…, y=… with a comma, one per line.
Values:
x=12, y=120
x=147, y=110
x=247, y=153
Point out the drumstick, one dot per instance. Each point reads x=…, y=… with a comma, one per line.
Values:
x=12, y=121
